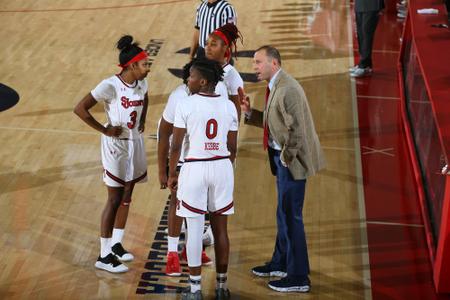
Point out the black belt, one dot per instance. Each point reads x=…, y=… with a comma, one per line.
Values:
x=205, y=159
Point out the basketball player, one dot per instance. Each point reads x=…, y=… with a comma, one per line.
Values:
x=165, y=129
x=220, y=46
x=209, y=123
x=123, y=155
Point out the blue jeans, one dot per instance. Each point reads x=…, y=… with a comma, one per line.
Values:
x=291, y=253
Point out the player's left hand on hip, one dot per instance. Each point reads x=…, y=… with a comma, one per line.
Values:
x=141, y=128
x=283, y=163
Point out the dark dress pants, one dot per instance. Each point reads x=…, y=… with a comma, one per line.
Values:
x=291, y=253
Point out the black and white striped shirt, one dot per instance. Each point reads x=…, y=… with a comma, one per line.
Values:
x=211, y=16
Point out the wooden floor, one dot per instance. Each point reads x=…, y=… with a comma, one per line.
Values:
x=51, y=192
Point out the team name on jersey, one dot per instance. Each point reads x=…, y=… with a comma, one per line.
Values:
x=127, y=103
x=212, y=146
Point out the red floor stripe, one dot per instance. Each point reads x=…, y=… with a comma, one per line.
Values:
x=399, y=264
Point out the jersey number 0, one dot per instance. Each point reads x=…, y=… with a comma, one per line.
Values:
x=211, y=129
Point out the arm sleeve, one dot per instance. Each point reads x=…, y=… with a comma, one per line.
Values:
x=170, y=109
x=229, y=15
x=104, y=91
x=234, y=82
x=180, y=116
x=145, y=86
x=234, y=123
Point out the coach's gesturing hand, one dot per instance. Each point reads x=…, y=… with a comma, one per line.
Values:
x=244, y=101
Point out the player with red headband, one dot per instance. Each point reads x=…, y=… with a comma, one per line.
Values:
x=220, y=46
x=125, y=98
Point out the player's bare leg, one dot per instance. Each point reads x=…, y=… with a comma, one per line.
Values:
x=222, y=249
x=119, y=224
x=107, y=260
x=173, y=267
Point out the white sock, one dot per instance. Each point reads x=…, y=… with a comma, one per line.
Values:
x=172, y=243
x=194, y=245
x=221, y=281
x=117, y=236
x=195, y=282
x=105, y=246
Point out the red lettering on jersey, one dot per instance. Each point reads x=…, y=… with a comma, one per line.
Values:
x=126, y=103
x=212, y=146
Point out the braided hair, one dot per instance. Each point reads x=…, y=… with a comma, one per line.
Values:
x=127, y=48
x=232, y=34
x=210, y=70
x=186, y=70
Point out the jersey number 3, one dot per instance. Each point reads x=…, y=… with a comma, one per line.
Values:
x=211, y=129
x=132, y=123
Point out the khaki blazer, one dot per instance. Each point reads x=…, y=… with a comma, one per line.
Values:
x=291, y=126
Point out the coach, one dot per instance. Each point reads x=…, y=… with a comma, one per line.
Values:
x=211, y=14
x=294, y=154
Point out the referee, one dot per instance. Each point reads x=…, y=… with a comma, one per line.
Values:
x=211, y=14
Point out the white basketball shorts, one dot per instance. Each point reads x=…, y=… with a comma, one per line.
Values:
x=205, y=186
x=123, y=161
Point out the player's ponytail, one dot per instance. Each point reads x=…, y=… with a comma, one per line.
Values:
x=229, y=34
x=129, y=51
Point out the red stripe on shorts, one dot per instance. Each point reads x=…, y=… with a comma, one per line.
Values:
x=193, y=209
x=122, y=182
x=221, y=211
x=117, y=179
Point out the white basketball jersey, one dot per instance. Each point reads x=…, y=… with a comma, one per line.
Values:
x=232, y=79
x=177, y=95
x=123, y=103
x=207, y=119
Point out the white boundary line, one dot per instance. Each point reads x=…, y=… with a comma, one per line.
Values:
x=151, y=136
x=386, y=51
x=49, y=130
x=395, y=224
x=379, y=97
x=358, y=170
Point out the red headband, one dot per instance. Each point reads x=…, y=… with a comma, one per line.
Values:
x=222, y=36
x=140, y=56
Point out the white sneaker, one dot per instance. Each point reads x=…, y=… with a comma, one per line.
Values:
x=352, y=69
x=360, y=72
x=208, y=237
x=401, y=15
x=121, y=253
x=111, y=264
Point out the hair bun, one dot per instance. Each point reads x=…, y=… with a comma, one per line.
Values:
x=125, y=42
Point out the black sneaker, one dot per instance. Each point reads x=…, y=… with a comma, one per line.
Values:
x=121, y=253
x=188, y=295
x=290, y=284
x=111, y=264
x=222, y=294
x=268, y=270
